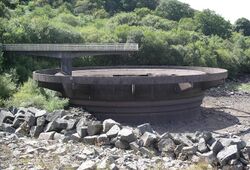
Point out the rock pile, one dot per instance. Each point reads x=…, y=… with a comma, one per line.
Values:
x=79, y=126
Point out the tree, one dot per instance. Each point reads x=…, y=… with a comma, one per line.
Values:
x=243, y=25
x=174, y=10
x=209, y=23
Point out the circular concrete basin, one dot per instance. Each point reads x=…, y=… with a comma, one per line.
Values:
x=134, y=93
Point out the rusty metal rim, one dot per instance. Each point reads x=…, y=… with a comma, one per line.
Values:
x=212, y=74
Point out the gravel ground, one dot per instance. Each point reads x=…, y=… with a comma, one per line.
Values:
x=225, y=111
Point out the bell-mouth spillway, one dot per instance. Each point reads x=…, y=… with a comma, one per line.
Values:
x=134, y=93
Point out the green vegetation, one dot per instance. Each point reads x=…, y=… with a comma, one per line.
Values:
x=30, y=94
x=169, y=32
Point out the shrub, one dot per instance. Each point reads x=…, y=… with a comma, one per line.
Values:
x=30, y=94
x=7, y=86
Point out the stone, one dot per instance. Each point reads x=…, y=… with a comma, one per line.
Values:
x=55, y=115
x=103, y=165
x=126, y=135
x=166, y=144
x=46, y=136
x=40, y=121
x=87, y=165
x=13, y=110
x=61, y=124
x=178, y=149
x=113, y=167
x=208, y=157
x=8, y=128
x=17, y=122
x=35, y=131
x=146, y=152
x=113, y=131
x=228, y=153
x=23, y=129
x=32, y=110
x=59, y=136
x=189, y=150
x=108, y=124
x=71, y=124
x=95, y=128
x=202, y=146
x=206, y=135
x=4, y=116
x=134, y=146
x=91, y=140
x=216, y=147
x=41, y=113
x=51, y=126
x=122, y=144
x=148, y=139
x=82, y=131
x=30, y=119
x=75, y=137
x=103, y=139
x=181, y=139
x=145, y=128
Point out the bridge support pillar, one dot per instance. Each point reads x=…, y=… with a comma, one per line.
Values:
x=66, y=65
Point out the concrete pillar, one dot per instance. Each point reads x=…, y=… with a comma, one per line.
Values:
x=66, y=66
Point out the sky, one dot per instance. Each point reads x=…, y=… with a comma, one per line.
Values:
x=229, y=9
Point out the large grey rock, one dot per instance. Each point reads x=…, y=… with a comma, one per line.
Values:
x=23, y=129
x=208, y=157
x=189, y=150
x=206, y=135
x=233, y=141
x=76, y=138
x=148, y=139
x=103, y=139
x=40, y=113
x=7, y=128
x=71, y=124
x=82, y=131
x=109, y=123
x=95, y=128
x=166, y=144
x=46, y=136
x=113, y=131
x=91, y=140
x=146, y=152
x=62, y=137
x=145, y=128
x=216, y=147
x=122, y=144
x=17, y=122
x=181, y=139
x=134, y=146
x=40, y=121
x=6, y=116
x=202, y=146
x=228, y=153
x=61, y=124
x=126, y=135
x=51, y=126
x=32, y=110
x=55, y=115
x=30, y=119
x=35, y=131
x=87, y=165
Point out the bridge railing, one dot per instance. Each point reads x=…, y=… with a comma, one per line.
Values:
x=71, y=47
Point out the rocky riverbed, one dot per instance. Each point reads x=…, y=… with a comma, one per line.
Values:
x=217, y=138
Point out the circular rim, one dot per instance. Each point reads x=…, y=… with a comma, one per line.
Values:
x=211, y=74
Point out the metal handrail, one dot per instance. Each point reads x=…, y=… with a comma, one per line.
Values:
x=71, y=47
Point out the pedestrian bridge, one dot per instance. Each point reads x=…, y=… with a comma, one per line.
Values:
x=66, y=52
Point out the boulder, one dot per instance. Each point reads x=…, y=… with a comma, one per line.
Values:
x=126, y=135
x=17, y=122
x=40, y=113
x=59, y=136
x=35, y=131
x=95, y=128
x=227, y=154
x=216, y=147
x=82, y=131
x=91, y=140
x=103, y=139
x=30, y=119
x=134, y=146
x=7, y=128
x=146, y=152
x=181, y=139
x=108, y=124
x=148, y=139
x=87, y=165
x=166, y=144
x=113, y=131
x=202, y=146
x=55, y=115
x=46, y=136
x=6, y=116
x=23, y=129
x=206, y=135
x=61, y=124
x=122, y=144
x=40, y=121
x=71, y=124
x=75, y=137
x=51, y=126
x=145, y=128
x=189, y=150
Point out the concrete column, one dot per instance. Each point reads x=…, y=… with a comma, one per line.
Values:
x=66, y=65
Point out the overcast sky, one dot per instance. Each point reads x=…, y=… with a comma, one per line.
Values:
x=230, y=9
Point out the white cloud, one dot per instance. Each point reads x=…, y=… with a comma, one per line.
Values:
x=230, y=9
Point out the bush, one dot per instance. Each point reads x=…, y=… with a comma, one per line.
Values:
x=7, y=86
x=31, y=95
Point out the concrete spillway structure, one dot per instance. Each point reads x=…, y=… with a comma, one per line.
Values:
x=133, y=93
